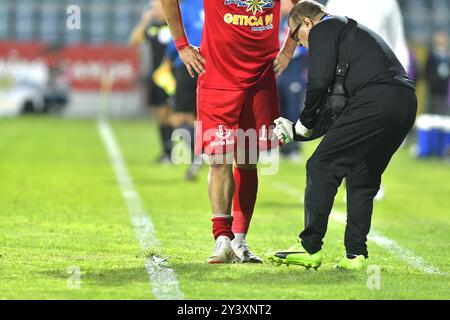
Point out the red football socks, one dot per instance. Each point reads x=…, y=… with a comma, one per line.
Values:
x=221, y=226
x=246, y=188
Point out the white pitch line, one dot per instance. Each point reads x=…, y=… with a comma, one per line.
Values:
x=393, y=247
x=376, y=237
x=163, y=278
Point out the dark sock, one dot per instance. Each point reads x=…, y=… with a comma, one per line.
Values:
x=166, y=138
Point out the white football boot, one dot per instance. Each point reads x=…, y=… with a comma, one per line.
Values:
x=223, y=252
x=243, y=253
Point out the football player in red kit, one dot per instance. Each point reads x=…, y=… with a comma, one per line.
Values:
x=237, y=103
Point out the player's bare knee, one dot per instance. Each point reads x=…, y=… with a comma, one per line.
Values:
x=219, y=167
x=219, y=159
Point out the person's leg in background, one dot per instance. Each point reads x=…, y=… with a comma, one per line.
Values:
x=162, y=114
x=185, y=112
x=158, y=102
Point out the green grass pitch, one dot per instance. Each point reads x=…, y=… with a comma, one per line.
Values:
x=61, y=210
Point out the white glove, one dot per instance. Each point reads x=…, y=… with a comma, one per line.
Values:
x=285, y=130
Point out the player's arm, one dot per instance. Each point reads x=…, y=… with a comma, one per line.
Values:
x=284, y=56
x=190, y=55
x=286, y=53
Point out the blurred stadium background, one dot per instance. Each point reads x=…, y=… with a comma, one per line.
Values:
x=56, y=182
x=33, y=36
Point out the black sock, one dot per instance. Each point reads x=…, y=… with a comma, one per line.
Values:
x=166, y=138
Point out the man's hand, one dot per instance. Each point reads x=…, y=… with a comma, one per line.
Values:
x=281, y=63
x=285, y=130
x=193, y=60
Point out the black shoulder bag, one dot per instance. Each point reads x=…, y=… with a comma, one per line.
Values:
x=337, y=96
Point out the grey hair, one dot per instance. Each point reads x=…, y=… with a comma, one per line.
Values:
x=306, y=8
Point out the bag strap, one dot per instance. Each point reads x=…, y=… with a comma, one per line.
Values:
x=346, y=41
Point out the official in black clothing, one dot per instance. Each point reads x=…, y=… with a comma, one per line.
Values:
x=358, y=146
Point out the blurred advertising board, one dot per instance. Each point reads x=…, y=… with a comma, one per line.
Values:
x=29, y=69
x=86, y=66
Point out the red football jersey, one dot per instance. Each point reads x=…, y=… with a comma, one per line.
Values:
x=240, y=42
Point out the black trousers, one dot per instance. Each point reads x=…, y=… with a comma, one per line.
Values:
x=358, y=147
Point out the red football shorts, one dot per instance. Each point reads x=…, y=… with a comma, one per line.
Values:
x=231, y=120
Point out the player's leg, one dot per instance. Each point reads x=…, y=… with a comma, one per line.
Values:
x=220, y=191
x=246, y=188
x=158, y=101
x=185, y=100
x=185, y=105
x=218, y=114
x=260, y=110
x=184, y=120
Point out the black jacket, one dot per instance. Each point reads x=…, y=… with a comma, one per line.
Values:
x=372, y=62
